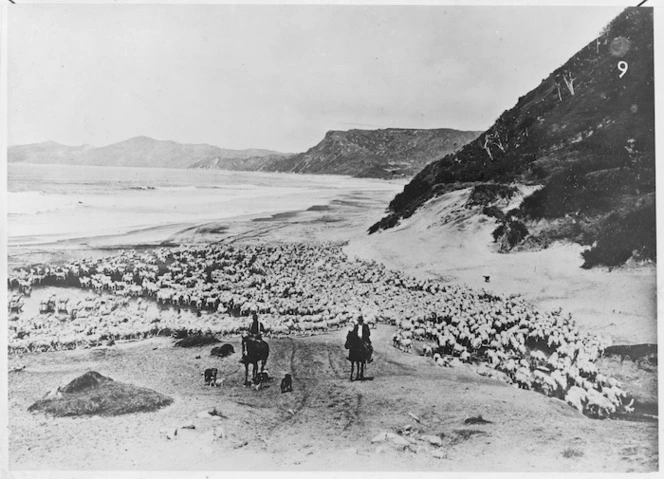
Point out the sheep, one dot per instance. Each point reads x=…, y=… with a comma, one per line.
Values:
x=427, y=351
x=577, y=398
x=523, y=378
x=599, y=405
x=292, y=282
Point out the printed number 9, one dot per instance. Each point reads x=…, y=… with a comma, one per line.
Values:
x=622, y=66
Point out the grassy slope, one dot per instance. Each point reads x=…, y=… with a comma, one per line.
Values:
x=576, y=147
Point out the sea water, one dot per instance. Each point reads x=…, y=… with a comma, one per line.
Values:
x=55, y=202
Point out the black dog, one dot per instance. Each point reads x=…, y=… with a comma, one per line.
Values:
x=210, y=376
x=261, y=380
x=223, y=351
x=287, y=384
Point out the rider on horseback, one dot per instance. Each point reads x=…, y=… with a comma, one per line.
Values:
x=256, y=331
x=365, y=336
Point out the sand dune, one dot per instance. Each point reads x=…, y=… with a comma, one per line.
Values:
x=445, y=240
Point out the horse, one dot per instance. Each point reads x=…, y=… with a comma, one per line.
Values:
x=358, y=354
x=256, y=350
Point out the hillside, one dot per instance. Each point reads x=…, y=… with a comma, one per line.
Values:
x=391, y=152
x=586, y=135
x=248, y=163
x=363, y=153
x=140, y=151
x=46, y=152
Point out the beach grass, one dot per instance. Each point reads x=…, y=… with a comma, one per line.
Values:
x=94, y=394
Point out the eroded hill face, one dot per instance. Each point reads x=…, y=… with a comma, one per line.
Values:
x=586, y=133
x=392, y=152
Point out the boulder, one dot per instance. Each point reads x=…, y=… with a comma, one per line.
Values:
x=380, y=437
x=218, y=432
x=414, y=417
x=169, y=432
x=433, y=440
x=397, y=440
x=421, y=449
x=439, y=454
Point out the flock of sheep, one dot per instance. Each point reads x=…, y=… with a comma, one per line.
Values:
x=301, y=288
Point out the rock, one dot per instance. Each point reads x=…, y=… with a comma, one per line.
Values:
x=169, y=432
x=439, y=454
x=406, y=429
x=379, y=437
x=218, y=432
x=203, y=415
x=216, y=418
x=433, y=440
x=477, y=420
x=188, y=425
x=397, y=440
x=414, y=417
x=240, y=444
x=412, y=448
x=421, y=449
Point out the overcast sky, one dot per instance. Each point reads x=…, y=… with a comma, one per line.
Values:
x=276, y=77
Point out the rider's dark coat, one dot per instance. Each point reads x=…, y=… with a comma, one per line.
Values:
x=256, y=328
x=366, y=332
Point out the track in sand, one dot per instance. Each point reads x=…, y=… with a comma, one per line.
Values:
x=326, y=423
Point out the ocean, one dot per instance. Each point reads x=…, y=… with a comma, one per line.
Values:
x=48, y=203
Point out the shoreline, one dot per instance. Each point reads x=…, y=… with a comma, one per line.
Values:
x=286, y=433
x=554, y=280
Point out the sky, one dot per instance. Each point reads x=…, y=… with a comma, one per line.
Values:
x=276, y=77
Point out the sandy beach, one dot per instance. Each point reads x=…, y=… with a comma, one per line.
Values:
x=327, y=417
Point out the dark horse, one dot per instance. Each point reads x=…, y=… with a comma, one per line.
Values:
x=357, y=354
x=256, y=350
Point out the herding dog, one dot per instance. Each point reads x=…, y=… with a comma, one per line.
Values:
x=210, y=375
x=261, y=380
x=287, y=384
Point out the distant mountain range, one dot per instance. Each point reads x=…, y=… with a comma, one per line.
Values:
x=369, y=153
x=140, y=151
x=586, y=135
